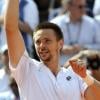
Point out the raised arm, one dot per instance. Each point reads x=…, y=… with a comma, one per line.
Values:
x=93, y=90
x=15, y=42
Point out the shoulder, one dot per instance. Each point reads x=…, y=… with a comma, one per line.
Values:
x=88, y=19
x=59, y=19
x=97, y=18
x=26, y=60
x=90, y=22
x=31, y=4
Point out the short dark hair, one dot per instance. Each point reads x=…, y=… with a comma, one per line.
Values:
x=93, y=61
x=49, y=25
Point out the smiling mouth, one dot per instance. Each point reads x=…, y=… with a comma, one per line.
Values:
x=43, y=56
x=43, y=53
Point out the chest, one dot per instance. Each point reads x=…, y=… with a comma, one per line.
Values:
x=44, y=86
x=78, y=33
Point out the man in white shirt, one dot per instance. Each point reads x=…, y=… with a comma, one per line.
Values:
x=2, y=31
x=79, y=30
x=6, y=92
x=45, y=80
x=96, y=8
x=28, y=20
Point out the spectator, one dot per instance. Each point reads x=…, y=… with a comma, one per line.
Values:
x=92, y=59
x=55, y=9
x=43, y=7
x=2, y=31
x=6, y=92
x=12, y=84
x=29, y=19
x=79, y=30
x=93, y=64
x=96, y=9
x=90, y=6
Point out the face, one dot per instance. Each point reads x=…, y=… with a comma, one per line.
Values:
x=46, y=44
x=77, y=8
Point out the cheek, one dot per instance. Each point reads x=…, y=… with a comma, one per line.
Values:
x=55, y=49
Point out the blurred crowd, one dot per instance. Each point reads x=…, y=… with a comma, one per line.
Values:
x=79, y=21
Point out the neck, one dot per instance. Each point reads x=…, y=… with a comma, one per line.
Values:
x=73, y=19
x=54, y=67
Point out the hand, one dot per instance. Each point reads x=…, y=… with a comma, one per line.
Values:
x=79, y=67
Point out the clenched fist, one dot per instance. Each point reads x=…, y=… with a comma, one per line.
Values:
x=79, y=67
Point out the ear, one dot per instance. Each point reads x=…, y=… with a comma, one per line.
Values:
x=61, y=43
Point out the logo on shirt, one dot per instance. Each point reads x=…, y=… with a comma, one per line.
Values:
x=68, y=78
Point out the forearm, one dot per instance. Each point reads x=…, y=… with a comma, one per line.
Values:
x=93, y=90
x=12, y=15
x=96, y=88
x=15, y=42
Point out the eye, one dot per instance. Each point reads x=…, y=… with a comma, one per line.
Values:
x=48, y=41
x=37, y=42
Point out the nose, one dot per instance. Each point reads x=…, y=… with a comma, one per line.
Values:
x=42, y=45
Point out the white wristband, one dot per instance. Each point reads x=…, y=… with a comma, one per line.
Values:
x=89, y=80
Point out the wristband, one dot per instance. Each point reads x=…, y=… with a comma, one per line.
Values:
x=89, y=80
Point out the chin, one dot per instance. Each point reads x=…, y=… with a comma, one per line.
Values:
x=44, y=59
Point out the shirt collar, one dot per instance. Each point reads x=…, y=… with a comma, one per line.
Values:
x=67, y=18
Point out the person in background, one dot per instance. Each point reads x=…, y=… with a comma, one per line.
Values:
x=96, y=8
x=2, y=30
x=43, y=7
x=90, y=6
x=55, y=9
x=79, y=30
x=92, y=59
x=12, y=83
x=6, y=92
x=28, y=20
x=93, y=64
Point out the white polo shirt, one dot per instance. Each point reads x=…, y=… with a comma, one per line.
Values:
x=36, y=82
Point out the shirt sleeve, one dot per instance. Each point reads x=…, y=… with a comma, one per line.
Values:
x=22, y=69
